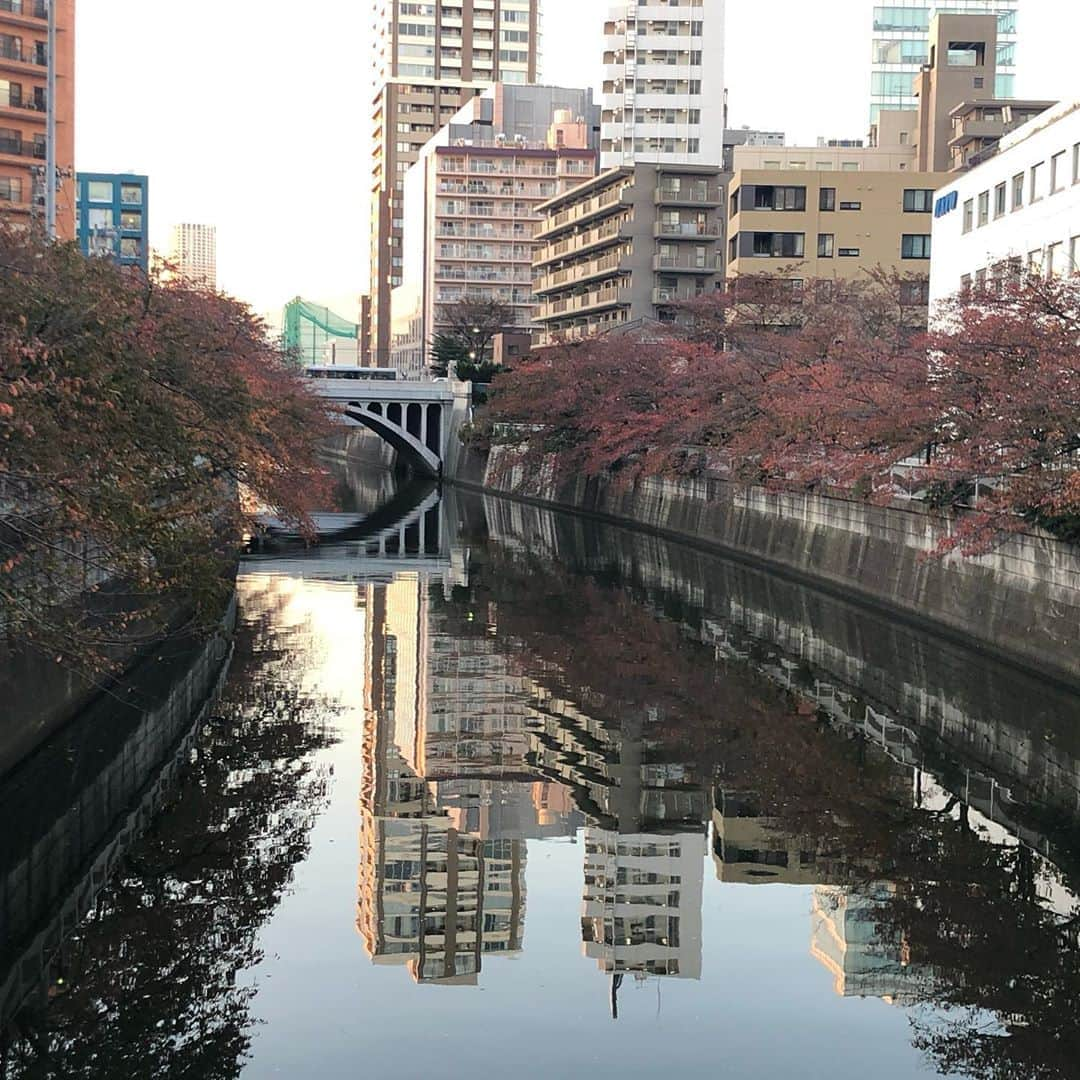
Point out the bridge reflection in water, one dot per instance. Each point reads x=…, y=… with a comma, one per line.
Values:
x=528, y=678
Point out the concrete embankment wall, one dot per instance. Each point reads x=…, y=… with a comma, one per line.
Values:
x=1021, y=601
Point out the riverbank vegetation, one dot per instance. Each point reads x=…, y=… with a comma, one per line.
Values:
x=134, y=412
x=829, y=386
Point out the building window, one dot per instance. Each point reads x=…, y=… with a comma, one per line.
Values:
x=1000, y=194
x=851, y=206
x=1018, y=191
x=969, y=215
x=1055, y=260
x=827, y=199
x=825, y=243
x=131, y=220
x=10, y=189
x=1076, y=163
x=735, y=202
x=984, y=208
x=965, y=285
x=918, y=200
x=733, y=248
x=849, y=166
x=1036, y=192
x=915, y=246
x=1074, y=254
x=99, y=217
x=915, y=293
x=1035, y=262
x=1057, y=173
x=779, y=245
x=848, y=253
x=769, y=197
x=131, y=247
x=99, y=191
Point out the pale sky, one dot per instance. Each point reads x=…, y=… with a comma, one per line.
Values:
x=253, y=115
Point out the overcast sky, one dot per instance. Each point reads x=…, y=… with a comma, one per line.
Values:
x=253, y=115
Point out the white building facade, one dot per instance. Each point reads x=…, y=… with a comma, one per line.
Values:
x=193, y=251
x=663, y=95
x=1018, y=211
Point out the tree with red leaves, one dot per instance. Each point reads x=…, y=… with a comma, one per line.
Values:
x=832, y=386
x=133, y=414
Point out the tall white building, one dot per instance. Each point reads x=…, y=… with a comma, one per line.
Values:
x=663, y=99
x=1017, y=212
x=193, y=251
x=901, y=46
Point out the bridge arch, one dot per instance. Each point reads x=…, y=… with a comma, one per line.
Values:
x=413, y=449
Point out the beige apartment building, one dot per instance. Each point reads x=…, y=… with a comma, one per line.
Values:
x=625, y=247
x=429, y=58
x=799, y=224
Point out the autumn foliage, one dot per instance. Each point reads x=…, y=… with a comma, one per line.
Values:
x=134, y=415
x=831, y=386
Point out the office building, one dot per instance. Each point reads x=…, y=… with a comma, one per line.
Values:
x=23, y=88
x=428, y=59
x=1017, y=211
x=193, y=254
x=470, y=207
x=114, y=217
x=901, y=47
x=626, y=246
x=663, y=91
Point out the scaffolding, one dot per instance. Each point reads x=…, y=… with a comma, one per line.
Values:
x=317, y=336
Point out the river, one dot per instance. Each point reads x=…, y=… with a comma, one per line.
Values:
x=489, y=790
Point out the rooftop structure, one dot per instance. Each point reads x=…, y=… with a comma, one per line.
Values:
x=114, y=217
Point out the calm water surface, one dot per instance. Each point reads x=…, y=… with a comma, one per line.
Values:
x=491, y=791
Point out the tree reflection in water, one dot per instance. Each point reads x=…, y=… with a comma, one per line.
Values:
x=977, y=933
x=148, y=985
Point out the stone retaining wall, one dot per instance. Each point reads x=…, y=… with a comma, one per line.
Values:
x=1022, y=600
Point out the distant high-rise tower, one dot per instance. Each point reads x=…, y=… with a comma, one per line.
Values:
x=194, y=253
x=428, y=59
x=663, y=99
x=901, y=46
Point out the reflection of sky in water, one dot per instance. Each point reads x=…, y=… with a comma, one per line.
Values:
x=766, y=1003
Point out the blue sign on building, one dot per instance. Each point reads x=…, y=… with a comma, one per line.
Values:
x=114, y=217
x=946, y=204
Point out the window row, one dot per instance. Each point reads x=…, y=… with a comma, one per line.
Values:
x=1032, y=184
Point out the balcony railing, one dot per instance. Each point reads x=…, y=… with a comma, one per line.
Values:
x=691, y=266
x=686, y=229
x=38, y=9
x=695, y=196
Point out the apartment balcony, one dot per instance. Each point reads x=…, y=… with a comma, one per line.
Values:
x=603, y=203
x=26, y=111
x=582, y=272
x=683, y=264
x=610, y=232
x=609, y=296
x=686, y=230
x=689, y=195
x=28, y=9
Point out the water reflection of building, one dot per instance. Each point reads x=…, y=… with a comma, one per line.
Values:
x=443, y=825
x=846, y=937
x=641, y=911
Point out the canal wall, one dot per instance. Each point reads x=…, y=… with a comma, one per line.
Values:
x=1021, y=601
x=75, y=806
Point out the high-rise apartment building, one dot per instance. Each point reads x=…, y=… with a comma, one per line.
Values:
x=470, y=207
x=901, y=46
x=663, y=99
x=114, y=217
x=193, y=251
x=627, y=246
x=429, y=59
x=24, y=63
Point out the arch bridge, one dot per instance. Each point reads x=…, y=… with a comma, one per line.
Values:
x=420, y=420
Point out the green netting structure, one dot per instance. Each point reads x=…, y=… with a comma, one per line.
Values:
x=308, y=328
